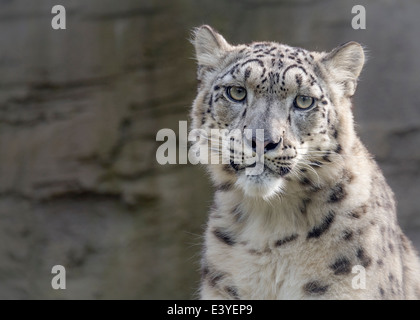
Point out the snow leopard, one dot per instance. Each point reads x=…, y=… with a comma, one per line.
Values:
x=318, y=221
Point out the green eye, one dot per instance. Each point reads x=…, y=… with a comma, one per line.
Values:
x=304, y=102
x=237, y=94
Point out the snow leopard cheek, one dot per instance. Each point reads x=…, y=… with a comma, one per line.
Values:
x=304, y=124
x=229, y=114
x=226, y=117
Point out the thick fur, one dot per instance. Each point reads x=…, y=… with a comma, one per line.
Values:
x=321, y=210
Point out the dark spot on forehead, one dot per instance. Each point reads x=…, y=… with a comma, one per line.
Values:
x=260, y=62
x=298, y=79
x=292, y=67
x=271, y=49
x=247, y=73
x=260, y=44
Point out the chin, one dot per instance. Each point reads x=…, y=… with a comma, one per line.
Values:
x=263, y=186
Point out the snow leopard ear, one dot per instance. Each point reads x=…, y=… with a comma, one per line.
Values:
x=344, y=65
x=210, y=46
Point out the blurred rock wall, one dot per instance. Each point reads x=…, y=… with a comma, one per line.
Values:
x=79, y=113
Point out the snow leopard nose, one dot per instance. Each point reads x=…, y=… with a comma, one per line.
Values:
x=268, y=144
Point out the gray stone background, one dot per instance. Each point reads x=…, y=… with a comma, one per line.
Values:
x=79, y=113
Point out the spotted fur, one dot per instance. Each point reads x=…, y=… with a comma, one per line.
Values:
x=321, y=205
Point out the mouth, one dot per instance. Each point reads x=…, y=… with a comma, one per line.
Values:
x=257, y=168
x=265, y=183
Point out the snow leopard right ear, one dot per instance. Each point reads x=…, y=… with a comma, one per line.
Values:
x=210, y=47
x=344, y=65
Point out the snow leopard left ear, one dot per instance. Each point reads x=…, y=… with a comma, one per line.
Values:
x=344, y=65
x=210, y=47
